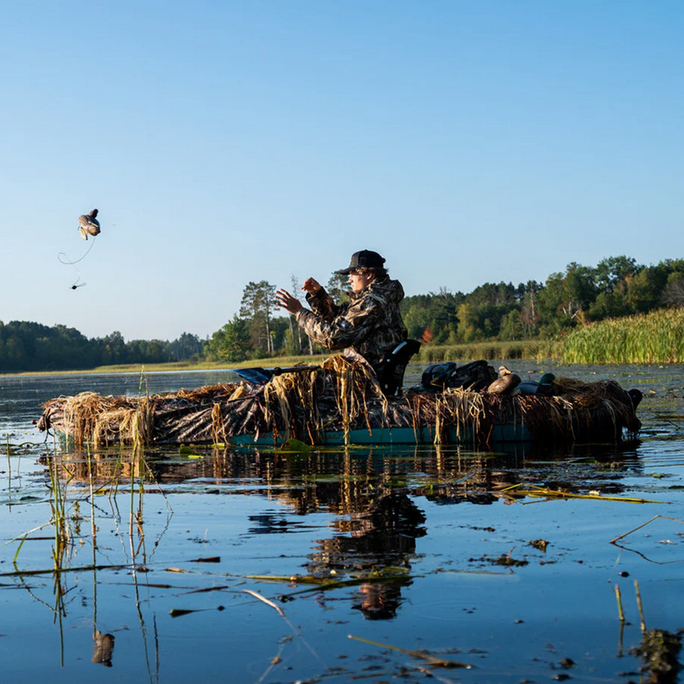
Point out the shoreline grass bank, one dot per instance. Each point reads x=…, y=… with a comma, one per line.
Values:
x=533, y=350
x=494, y=350
x=275, y=362
x=656, y=337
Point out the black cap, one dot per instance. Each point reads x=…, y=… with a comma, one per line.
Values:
x=363, y=259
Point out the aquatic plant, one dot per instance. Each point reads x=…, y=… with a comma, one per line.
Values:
x=490, y=350
x=657, y=337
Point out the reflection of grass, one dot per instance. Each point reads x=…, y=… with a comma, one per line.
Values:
x=58, y=507
x=65, y=518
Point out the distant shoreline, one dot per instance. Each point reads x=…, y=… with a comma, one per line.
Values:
x=494, y=350
x=499, y=350
x=179, y=366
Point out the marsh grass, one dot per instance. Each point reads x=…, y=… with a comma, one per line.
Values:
x=507, y=349
x=657, y=337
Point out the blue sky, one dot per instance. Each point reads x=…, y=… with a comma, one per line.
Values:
x=228, y=142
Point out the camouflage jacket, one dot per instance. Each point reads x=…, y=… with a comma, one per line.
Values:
x=370, y=324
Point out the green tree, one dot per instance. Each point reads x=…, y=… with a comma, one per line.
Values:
x=230, y=343
x=257, y=306
x=529, y=308
x=614, y=270
x=468, y=324
x=673, y=294
x=511, y=327
x=439, y=312
x=184, y=347
x=338, y=288
x=291, y=345
x=566, y=297
x=113, y=348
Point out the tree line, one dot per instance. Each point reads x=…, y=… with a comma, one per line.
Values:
x=578, y=296
x=27, y=346
x=615, y=287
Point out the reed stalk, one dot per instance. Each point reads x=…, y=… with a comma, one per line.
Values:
x=9, y=466
x=618, y=596
x=641, y=607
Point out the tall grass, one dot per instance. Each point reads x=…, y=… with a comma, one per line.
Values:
x=510, y=349
x=657, y=337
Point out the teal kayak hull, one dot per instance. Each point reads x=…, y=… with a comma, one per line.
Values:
x=387, y=436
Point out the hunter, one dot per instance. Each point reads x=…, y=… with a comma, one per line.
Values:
x=370, y=324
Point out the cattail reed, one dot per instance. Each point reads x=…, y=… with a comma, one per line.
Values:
x=657, y=337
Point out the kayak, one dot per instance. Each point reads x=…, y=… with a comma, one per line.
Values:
x=322, y=407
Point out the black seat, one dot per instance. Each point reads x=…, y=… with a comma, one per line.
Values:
x=260, y=376
x=393, y=367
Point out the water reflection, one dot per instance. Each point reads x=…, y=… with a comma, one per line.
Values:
x=371, y=529
x=372, y=495
x=103, y=648
x=348, y=482
x=377, y=542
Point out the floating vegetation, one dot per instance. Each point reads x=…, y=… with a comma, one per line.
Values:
x=540, y=544
x=103, y=648
x=505, y=560
x=509, y=561
x=188, y=452
x=543, y=492
x=423, y=655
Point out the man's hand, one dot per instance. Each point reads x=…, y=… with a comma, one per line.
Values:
x=288, y=302
x=311, y=285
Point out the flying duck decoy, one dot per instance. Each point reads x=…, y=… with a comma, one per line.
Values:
x=88, y=224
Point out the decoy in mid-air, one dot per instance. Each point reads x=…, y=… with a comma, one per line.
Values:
x=88, y=224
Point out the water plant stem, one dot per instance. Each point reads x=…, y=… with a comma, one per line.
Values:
x=618, y=596
x=9, y=465
x=437, y=662
x=641, y=608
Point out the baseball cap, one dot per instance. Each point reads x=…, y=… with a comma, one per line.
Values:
x=364, y=258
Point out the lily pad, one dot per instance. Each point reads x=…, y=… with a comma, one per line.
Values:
x=187, y=452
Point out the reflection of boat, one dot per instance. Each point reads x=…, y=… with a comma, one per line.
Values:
x=342, y=403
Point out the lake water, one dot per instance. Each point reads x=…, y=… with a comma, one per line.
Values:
x=263, y=566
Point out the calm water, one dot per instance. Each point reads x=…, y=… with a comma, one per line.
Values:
x=394, y=547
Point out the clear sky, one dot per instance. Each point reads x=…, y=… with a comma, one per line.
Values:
x=233, y=141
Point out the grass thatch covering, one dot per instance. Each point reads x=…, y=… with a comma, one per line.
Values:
x=342, y=395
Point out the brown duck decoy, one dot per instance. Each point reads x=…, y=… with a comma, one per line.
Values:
x=505, y=383
x=88, y=224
